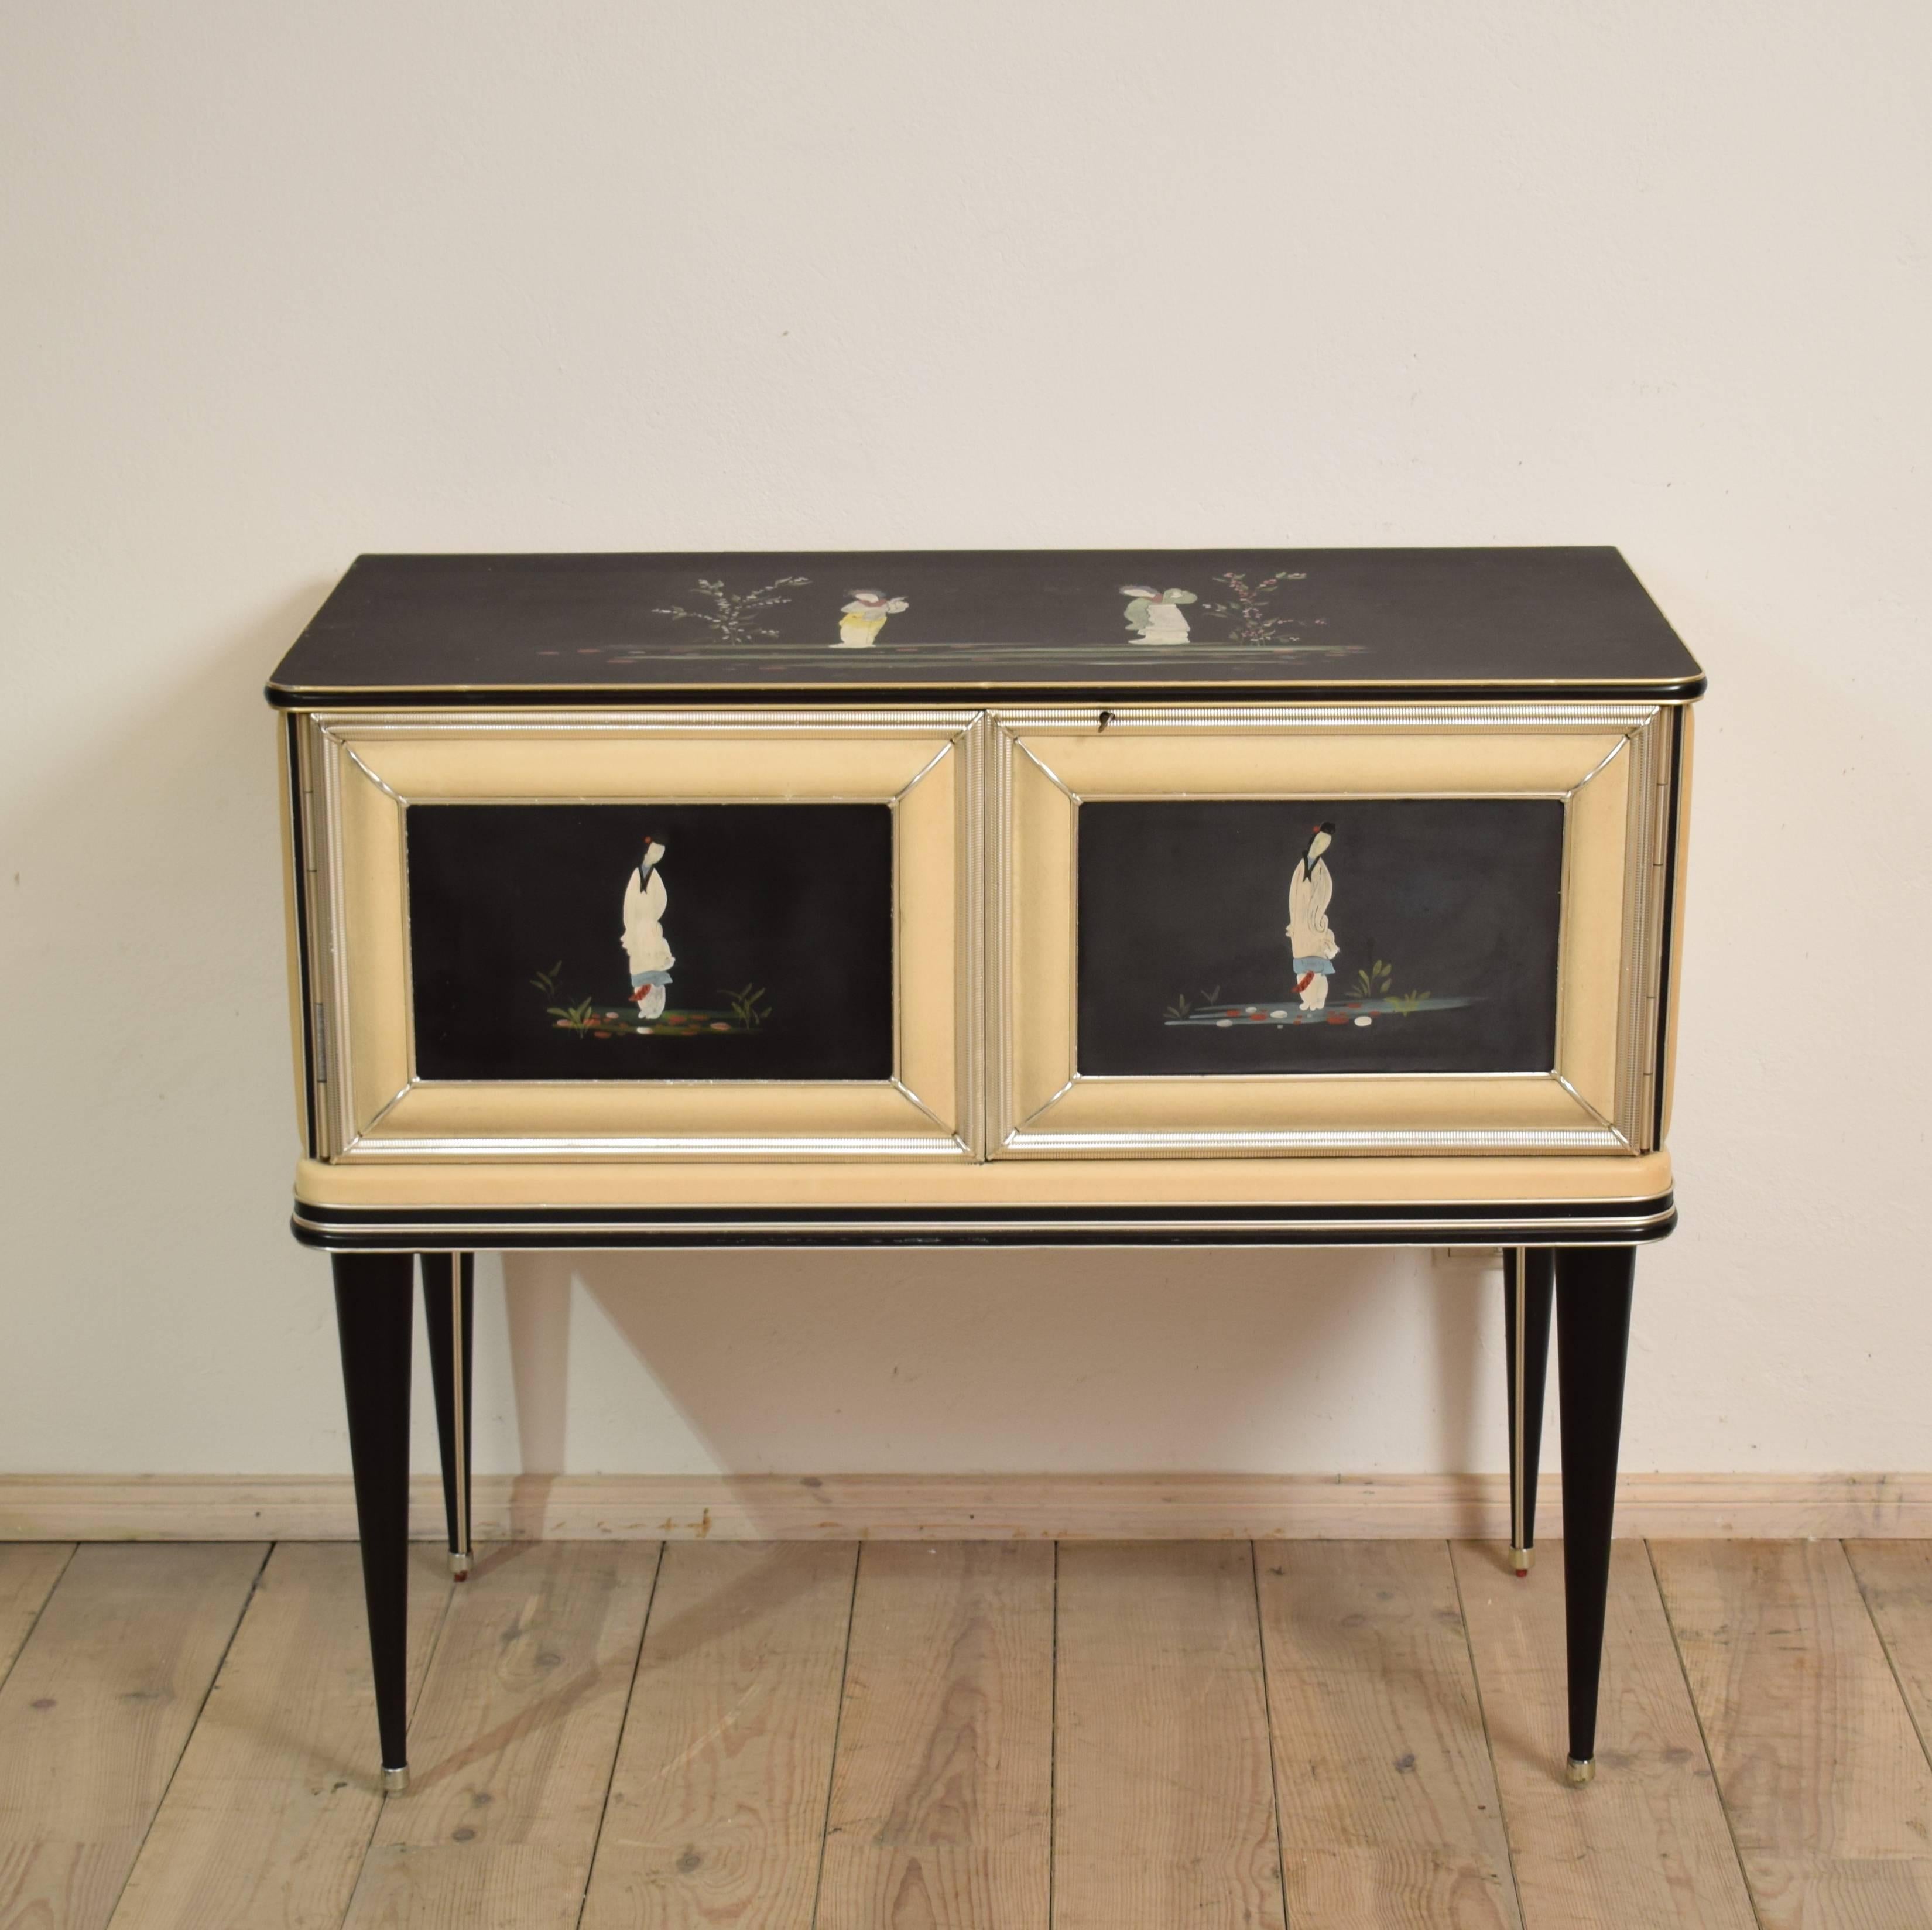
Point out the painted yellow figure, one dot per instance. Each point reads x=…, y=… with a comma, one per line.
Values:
x=861, y=619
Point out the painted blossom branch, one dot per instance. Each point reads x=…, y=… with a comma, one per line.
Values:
x=732, y=622
x=1246, y=614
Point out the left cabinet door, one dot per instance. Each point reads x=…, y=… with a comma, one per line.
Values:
x=679, y=934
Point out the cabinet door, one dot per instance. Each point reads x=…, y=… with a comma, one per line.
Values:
x=641, y=935
x=1401, y=929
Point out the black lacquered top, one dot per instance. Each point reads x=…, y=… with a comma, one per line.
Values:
x=965, y=625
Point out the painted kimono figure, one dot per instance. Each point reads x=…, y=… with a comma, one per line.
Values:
x=861, y=619
x=1154, y=615
x=1309, y=937
x=651, y=959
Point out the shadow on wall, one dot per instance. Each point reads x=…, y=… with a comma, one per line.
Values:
x=146, y=937
x=145, y=1036
x=1080, y=1360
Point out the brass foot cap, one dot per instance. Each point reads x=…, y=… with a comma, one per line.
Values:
x=459, y=1566
x=394, y=1781
x=1522, y=1559
x=1579, y=1773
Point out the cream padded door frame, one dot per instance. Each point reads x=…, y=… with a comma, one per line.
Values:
x=360, y=770
x=1604, y=761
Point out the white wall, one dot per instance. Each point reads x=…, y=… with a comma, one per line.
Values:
x=280, y=283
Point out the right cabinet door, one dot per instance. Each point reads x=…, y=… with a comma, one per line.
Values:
x=1318, y=929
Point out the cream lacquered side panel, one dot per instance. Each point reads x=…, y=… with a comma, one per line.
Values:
x=294, y=816
x=1605, y=762
x=362, y=770
x=1674, y=957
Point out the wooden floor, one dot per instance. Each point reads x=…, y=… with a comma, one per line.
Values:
x=1100, y=1736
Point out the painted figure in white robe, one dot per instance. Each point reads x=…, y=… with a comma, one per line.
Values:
x=1154, y=616
x=861, y=619
x=1311, y=939
x=650, y=956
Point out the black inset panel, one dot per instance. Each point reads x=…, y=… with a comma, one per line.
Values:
x=777, y=918
x=1442, y=915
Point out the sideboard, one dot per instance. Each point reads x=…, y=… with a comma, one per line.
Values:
x=1191, y=897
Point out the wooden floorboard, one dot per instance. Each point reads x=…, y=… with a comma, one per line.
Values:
x=1895, y=1578
x=1163, y=1790
x=816, y=1736
x=717, y=1808
x=271, y=1811
x=941, y=1809
x=1647, y=1843
x=1823, y=1772
x=27, y=1572
x=95, y=1715
x=511, y=1752
x=1390, y=1819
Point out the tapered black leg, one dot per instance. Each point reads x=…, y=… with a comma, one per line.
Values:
x=448, y=1302
x=374, y=1317
x=1529, y=1282
x=1593, y=1316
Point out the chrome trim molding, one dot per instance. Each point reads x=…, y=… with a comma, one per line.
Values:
x=794, y=1146
x=763, y=720
x=1197, y=1145
x=1325, y=716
